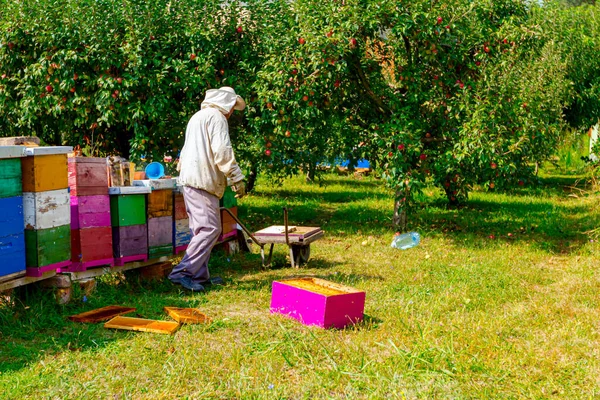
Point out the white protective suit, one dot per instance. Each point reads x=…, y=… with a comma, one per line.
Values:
x=207, y=160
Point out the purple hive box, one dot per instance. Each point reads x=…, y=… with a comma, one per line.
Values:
x=314, y=301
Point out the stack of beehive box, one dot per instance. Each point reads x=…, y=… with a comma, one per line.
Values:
x=181, y=223
x=91, y=231
x=228, y=224
x=128, y=215
x=160, y=216
x=12, y=239
x=46, y=209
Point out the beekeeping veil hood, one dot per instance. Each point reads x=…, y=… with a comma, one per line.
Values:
x=224, y=99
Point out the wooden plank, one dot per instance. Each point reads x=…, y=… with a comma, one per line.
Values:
x=130, y=240
x=90, y=211
x=129, y=190
x=188, y=315
x=47, y=246
x=12, y=151
x=44, y=210
x=160, y=231
x=160, y=203
x=101, y=314
x=127, y=210
x=88, y=176
x=43, y=173
x=91, y=244
x=143, y=325
x=11, y=179
x=48, y=150
x=24, y=280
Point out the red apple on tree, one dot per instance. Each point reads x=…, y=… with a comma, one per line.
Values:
x=401, y=147
x=268, y=153
x=353, y=43
x=337, y=83
x=301, y=40
x=390, y=154
x=288, y=133
x=423, y=157
x=192, y=56
x=439, y=20
x=119, y=80
x=49, y=89
x=239, y=29
x=305, y=98
x=329, y=34
x=493, y=165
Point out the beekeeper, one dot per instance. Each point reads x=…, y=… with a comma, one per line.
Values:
x=206, y=163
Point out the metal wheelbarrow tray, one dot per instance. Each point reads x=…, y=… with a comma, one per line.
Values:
x=297, y=238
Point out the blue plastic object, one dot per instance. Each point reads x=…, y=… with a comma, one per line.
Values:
x=155, y=170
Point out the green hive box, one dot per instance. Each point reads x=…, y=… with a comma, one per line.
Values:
x=160, y=251
x=128, y=210
x=47, y=246
x=10, y=180
x=228, y=200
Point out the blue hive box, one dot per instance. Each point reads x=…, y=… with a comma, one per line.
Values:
x=12, y=238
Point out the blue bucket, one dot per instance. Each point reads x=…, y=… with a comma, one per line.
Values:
x=155, y=170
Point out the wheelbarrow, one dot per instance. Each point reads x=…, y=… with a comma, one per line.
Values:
x=297, y=238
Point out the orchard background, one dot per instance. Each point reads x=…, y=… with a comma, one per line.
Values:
x=451, y=94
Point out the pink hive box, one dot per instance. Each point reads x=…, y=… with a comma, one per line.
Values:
x=315, y=301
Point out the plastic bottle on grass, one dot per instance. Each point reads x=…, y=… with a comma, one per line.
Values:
x=406, y=240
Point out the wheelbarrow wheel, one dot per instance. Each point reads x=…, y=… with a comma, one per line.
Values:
x=301, y=254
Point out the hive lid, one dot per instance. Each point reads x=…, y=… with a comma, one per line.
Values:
x=129, y=190
x=187, y=315
x=48, y=150
x=143, y=325
x=157, y=184
x=87, y=160
x=101, y=314
x=12, y=151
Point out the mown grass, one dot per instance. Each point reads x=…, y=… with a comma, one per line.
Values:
x=462, y=315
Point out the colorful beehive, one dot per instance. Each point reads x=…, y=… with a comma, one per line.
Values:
x=315, y=301
x=45, y=168
x=130, y=231
x=181, y=223
x=228, y=200
x=47, y=218
x=160, y=216
x=12, y=238
x=88, y=176
x=91, y=233
x=160, y=237
x=228, y=224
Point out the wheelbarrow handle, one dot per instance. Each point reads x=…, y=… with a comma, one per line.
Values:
x=285, y=222
x=243, y=227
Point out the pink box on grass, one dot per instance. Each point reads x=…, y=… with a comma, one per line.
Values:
x=315, y=301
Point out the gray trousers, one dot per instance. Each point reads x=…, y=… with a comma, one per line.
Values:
x=205, y=224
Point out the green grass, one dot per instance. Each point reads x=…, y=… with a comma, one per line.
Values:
x=460, y=316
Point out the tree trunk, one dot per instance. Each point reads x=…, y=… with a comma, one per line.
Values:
x=251, y=181
x=310, y=173
x=400, y=220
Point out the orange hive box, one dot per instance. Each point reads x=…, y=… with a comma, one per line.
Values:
x=187, y=315
x=101, y=314
x=143, y=325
